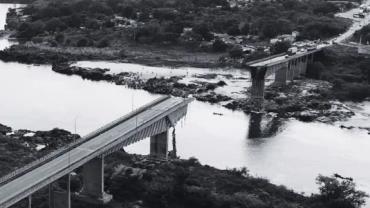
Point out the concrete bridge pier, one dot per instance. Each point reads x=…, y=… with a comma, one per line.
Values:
x=293, y=67
x=30, y=201
x=281, y=75
x=60, y=198
x=298, y=70
x=159, y=145
x=93, y=182
x=302, y=71
x=258, y=86
x=255, y=129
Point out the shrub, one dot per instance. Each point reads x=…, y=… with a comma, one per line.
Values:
x=236, y=52
x=219, y=46
x=83, y=42
x=59, y=37
x=122, y=53
x=55, y=24
x=204, y=31
x=337, y=191
x=357, y=91
x=314, y=70
x=103, y=43
x=280, y=47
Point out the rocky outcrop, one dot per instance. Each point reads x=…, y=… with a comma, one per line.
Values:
x=305, y=100
x=96, y=74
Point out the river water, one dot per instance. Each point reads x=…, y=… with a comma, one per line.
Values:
x=34, y=97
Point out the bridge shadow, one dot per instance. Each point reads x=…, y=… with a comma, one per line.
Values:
x=264, y=126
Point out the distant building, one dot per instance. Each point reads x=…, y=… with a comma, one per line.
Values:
x=286, y=37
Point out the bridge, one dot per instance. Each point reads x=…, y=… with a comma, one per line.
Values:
x=152, y=120
x=284, y=68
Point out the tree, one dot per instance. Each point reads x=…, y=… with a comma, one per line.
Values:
x=365, y=68
x=204, y=31
x=92, y=24
x=55, y=24
x=233, y=30
x=128, y=12
x=315, y=69
x=73, y=20
x=59, y=37
x=337, y=191
x=280, y=47
x=219, y=45
x=236, y=52
x=103, y=43
x=29, y=30
x=83, y=42
x=244, y=29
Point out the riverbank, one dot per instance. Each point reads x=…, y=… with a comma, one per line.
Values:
x=138, y=182
x=32, y=53
x=20, y=147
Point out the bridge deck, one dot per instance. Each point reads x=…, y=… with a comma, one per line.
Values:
x=274, y=60
x=50, y=169
x=269, y=61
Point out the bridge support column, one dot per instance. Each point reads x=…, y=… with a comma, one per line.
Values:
x=93, y=182
x=258, y=86
x=159, y=145
x=30, y=201
x=291, y=69
x=281, y=75
x=255, y=129
x=312, y=58
x=297, y=71
x=305, y=63
x=60, y=198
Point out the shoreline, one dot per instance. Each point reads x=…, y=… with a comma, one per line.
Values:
x=30, y=53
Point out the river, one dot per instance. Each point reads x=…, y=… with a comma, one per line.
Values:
x=34, y=97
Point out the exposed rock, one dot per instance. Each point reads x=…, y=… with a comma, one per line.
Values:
x=96, y=74
x=212, y=97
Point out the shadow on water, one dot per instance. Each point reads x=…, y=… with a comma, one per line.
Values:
x=264, y=126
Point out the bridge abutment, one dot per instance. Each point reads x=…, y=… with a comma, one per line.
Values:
x=60, y=198
x=93, y=182
x=159, y=145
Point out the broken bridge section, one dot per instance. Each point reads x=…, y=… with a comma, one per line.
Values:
x=152, y=120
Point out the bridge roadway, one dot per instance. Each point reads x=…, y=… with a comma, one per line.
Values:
x=67, y=162
x=270, y=61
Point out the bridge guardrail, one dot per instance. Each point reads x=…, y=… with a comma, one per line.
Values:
x=56, y=153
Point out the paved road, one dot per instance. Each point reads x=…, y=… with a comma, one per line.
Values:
x=25, y=182
x=358, y=23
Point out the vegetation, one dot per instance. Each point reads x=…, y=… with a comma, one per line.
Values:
x=347, y=71
x=338, y=191
x=166, y=21
x=363, y=35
